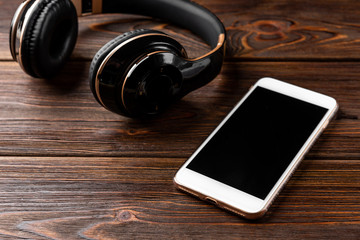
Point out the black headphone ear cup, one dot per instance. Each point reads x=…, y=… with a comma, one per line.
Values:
x=49, y=37
x=112, y=64
x=107, y=48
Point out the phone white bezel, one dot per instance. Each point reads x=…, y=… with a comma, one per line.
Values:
x=236, y=200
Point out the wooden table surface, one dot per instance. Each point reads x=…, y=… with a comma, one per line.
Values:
x=69, y=169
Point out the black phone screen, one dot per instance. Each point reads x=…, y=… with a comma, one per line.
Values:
x=257, y=143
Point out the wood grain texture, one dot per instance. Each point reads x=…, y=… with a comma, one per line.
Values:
x=261, y=30
x=69, y=169
x=101, y=198
x=61, y=115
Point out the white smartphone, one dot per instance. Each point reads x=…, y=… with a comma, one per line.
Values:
x=249, y=157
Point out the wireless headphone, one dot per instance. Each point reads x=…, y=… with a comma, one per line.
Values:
x=138, y=73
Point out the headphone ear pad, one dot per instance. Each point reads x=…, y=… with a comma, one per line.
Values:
x=49, y=37
x=106, y=49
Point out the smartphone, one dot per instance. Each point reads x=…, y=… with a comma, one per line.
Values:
x=249, y=157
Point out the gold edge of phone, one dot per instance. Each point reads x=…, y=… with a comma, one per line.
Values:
x=249, y=157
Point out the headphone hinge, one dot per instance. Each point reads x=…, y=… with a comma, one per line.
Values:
x=87, y=7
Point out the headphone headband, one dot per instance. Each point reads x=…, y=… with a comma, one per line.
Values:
x=149, y=68
x=183, y=13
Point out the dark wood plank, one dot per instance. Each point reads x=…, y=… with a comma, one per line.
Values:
x=262, y=30
x=99, y=198
x=61, y=116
